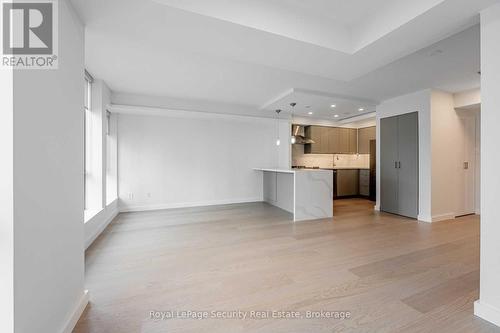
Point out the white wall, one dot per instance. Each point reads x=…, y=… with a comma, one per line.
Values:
x=447, y=158
x=488, y=306
x=48, y=187
x=417, y=102
x=172, y=158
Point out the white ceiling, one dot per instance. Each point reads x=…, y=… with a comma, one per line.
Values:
x=320, y=105
x=249, y=52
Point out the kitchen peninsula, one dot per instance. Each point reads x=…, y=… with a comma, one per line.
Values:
x=307, y=194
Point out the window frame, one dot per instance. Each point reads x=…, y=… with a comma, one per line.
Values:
x=87, y=109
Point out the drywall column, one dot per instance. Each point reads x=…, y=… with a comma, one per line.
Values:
x=488, y=306
x=6, y=202
x=49, y=293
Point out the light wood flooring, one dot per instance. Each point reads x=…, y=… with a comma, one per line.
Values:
x=391, y=273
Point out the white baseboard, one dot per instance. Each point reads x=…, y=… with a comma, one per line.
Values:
x=487, y=312
x=424, y=218
x=376, y=208
x=436, y=218
x=443, y=217
x=142, y=208
x=77, y=313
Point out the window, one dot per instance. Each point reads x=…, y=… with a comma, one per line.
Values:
x=111, y=158
x=87, y=137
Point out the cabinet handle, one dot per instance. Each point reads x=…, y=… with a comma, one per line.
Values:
x=399, y=165
x=396, y=164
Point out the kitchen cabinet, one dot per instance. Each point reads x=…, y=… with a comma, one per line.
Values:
x=364, y=182
x=347, y=183
x=353, y=140
x=365, y=135
x=314, y=133
x=399, y=165
x=343, y=142
x=331, y=140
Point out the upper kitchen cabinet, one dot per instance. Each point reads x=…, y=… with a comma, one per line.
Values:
x=353, y=141
x=331, y=140
x=365, y=136
x=319, y=135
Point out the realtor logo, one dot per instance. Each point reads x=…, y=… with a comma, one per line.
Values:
x=29, y=38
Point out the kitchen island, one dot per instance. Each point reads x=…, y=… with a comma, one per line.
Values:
x=307, y=194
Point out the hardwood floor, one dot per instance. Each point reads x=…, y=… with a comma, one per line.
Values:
x=392, y=274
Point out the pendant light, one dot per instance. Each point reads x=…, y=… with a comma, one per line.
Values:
x=278, y=141
x=293, y=138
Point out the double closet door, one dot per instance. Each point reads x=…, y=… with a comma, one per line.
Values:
x=399, y=165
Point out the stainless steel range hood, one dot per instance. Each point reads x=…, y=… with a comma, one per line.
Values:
x=298, y=135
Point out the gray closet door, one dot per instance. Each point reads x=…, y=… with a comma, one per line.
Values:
x=388, y=166
x=408, y=165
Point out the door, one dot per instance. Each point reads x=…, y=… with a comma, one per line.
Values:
x=408, y=165
x=466, y=197
x=388, y=165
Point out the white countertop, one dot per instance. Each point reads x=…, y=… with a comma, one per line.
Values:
x=290, y=170
x=276, y=170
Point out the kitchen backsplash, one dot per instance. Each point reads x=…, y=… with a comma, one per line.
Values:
x=327, y=160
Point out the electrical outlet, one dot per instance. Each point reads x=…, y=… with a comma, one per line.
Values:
x=149, y=195
x=131, y=196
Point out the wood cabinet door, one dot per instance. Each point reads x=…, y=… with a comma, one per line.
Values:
x=347, y=183
x=324, y=134
x=353, y=141
x=313, y=133
x=343, y=143
x=365, y=136
x=333, y=140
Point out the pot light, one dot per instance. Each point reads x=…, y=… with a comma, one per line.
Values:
x=333, y=106
x=361, y=110
x=336, y=116
x=309, y=113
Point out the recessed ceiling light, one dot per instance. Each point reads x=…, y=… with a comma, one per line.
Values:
x=309, y=113
x=361, y=110
x=333, y=106
x=336, y=116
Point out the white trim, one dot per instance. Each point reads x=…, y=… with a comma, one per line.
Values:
x=376, y=208
x=353, y=119
x=111, y=211
x=487, y=312
x=99, y=222
x=181, y=113
x=424, y=218
x=436, y=218
x=443, y=217
x=77, y=313
x=277, y=98
x=141, y=208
